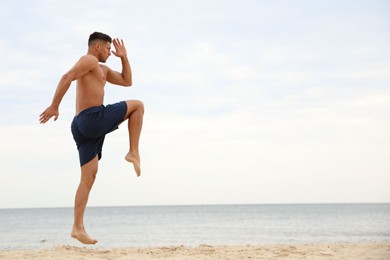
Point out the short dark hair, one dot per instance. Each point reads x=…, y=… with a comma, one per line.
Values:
x=99, y=36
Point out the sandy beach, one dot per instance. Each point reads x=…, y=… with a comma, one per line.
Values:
x=307, y=251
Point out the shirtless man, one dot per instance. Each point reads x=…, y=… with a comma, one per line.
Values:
x=93, y=120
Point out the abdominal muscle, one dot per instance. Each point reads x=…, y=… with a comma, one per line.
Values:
x=90, y=90
x=87, y=98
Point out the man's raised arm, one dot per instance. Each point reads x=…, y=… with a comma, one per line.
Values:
x=124, y=78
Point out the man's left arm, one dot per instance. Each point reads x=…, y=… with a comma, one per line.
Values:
x=124, y=78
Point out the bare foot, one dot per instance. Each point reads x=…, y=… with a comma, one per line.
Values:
x=135, y=160
x=83, y=237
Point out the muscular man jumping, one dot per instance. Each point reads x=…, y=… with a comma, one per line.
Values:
x=93, y=120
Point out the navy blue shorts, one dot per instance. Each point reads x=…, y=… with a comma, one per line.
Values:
x=91, y=126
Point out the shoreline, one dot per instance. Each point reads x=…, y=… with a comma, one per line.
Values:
x=379, y=250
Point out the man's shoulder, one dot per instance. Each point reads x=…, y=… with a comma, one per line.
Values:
x=87, y=62
x=89, y=58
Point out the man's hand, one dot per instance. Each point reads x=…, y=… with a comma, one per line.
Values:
x=49, y=113
x=120, y=49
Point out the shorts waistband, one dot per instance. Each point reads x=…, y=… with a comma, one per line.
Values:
x=90, y=109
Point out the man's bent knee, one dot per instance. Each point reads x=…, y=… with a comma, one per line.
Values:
x=134, y=105
x=141, y=107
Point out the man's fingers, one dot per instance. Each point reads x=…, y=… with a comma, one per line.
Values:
x=42, y=120
x=44, y=117
x=116, y=41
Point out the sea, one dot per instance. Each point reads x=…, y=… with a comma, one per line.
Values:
x=155, y=226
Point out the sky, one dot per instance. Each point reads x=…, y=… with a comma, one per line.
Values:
x=245, y=101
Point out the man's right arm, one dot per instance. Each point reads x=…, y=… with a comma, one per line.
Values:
x=82, y=67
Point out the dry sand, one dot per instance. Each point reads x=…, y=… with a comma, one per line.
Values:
x=318, y=251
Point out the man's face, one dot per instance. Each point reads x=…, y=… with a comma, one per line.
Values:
x=104, y=51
